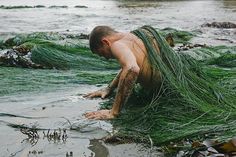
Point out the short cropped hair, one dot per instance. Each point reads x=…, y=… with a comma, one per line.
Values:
x=95, y=37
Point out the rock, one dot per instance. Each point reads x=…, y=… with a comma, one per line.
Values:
x=81, y=6
x=217, y=155
x=186, y=47
x=226, y=25
x=39, y=6
x=79, y=36
x=212, y=150
x=16, y=58
x=229, y=146
x=22, y=50
x=56, y=6
x=83, y=36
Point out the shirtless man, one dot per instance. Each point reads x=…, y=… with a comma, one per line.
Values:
x=131, y=53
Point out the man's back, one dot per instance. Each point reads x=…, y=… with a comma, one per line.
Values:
x=147, y=77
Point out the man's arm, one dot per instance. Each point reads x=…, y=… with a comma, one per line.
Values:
x=115, y=81
x=104, y=92
x=128, y=77
x=126, y=84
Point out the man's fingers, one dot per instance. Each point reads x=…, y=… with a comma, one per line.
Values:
x=96, y=94
x=92, y=115
x=103, y=96
x=92, y=95
x=89, y=114
x=97, y=117
x=101, y=114
x=87, y=95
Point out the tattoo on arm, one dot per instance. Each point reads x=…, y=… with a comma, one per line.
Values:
x=115, y=81
x=125, y=87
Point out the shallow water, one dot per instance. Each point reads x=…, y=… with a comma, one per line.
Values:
x=122, y=15
x=64, y=109
x=49, y=111
x=52, y=99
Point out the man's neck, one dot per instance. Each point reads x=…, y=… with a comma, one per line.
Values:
x=116, y=36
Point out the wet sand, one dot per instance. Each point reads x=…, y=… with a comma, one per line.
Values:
x=62, y=109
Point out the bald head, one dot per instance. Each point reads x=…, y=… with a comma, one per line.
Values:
x=95, y=37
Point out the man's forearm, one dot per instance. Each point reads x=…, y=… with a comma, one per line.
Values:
x=115, y=81
x=126, y=84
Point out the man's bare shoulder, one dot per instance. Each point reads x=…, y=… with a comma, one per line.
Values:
x=120, y=45
x=126, y=42
x=120, y=48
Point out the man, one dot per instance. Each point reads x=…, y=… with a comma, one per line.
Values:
x=131, y=53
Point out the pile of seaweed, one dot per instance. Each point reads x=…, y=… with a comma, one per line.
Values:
x=197, y=98
x=44, y=60
x=52, y=50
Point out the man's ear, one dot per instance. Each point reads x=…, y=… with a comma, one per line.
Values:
x=106, y=42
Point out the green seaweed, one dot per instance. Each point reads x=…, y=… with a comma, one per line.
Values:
x=65, y=59
x=226, y=60
x=179, y=36
x=197, y=98
x=53, y=50
x=22, y=80
x=193, y=100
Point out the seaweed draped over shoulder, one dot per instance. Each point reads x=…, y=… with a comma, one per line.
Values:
x=182, y=75
x=191, y=101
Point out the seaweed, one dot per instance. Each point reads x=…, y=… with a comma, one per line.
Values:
x=192, y=101
x=197, y=97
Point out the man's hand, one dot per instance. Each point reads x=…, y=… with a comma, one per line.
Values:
x=101, y=114
x=103, y=93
